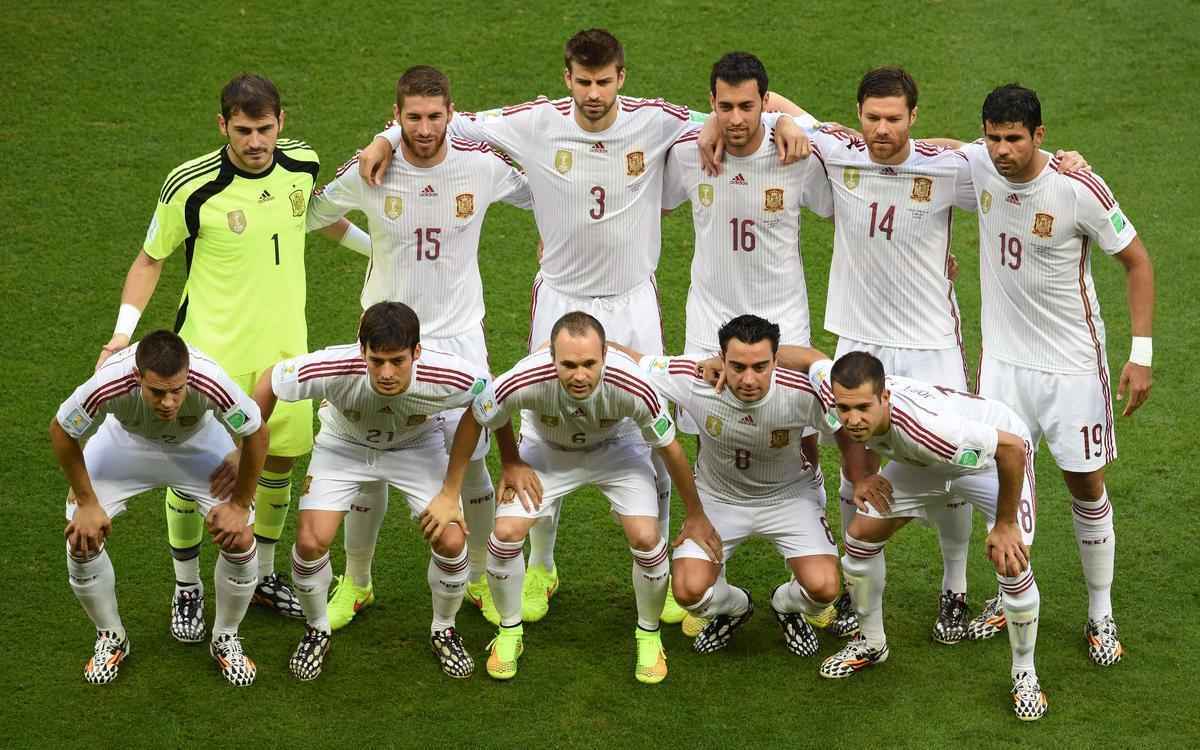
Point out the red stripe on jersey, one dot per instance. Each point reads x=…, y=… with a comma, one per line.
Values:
x=443, y=381
x=634, y=385
x=342, y=169
x=962, y=349
x=792, y=379
x=530, y=377
x=108, y=391
x=922, y=435
x=330, y=370
x=533, y=295
x=689, y=137
x=681, y=370
x=1093, y=180
x=224, y=399
x=446, y=372
x=208, y=393
x=357, y=361
x=672, y=109
x=1096, y=191
x=1101, y=367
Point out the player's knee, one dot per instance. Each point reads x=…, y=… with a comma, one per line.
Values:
x=643, y=537
x=451, y=542
x=1087, y=485
x=508, y=530
x=309, y=543
x=822, y=582
x=689, y=589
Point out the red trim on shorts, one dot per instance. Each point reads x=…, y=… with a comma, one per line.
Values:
x=1101, y=365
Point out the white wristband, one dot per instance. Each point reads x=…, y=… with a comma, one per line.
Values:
x=1141, y=351
x=356, y=240
x=127, y=320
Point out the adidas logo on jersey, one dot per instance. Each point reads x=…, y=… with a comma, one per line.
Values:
x=598, y=148
x=579, y=412
x=266, y=196
x=428, y=192
x=746, y=419
x=738, y=180
x=386, y=410
x=1013, y=199
x=888, y=171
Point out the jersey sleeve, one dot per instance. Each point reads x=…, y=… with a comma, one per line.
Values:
x=673, y=377
x=238, y=413
x=337, y=198
x=1098, y=215
x=676, y=120
x=73, y=415
x=964, y=443
x=818, y=192
x=680, y=165
x=288, y=381
x=649, y=410
x=511, y=185
x=818, y=375
x=488, y=410
x=168, y=228
x=964, y=183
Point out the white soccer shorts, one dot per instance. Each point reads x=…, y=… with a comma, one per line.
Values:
x=1073, y=412
x=472, y=347
x=945, y=367
x=341, y=473
x=632, y=319
x=797, y=526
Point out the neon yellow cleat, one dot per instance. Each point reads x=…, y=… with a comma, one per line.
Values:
x=540, y=585
x=506, y=648
x=672, y=613
x=651, y=658
x=692, y=625
x=347, y=600
x=480, y=595
x=824, y=618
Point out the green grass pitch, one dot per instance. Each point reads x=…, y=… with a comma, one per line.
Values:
x=101, y=101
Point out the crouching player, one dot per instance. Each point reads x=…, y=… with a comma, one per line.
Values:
x=380, y=402
x=940, y=442
x=171, y=411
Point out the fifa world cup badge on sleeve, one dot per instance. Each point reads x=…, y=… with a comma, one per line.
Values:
x=236, y=418
x=77, y=420
x=1118, y=221
x=478, y=387
x=662, y=425
x=967, y=457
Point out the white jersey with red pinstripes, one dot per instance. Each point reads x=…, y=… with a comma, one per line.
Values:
x=425, y=224
x=1040, y=308
x=888, y=281
x=946, y=431
x=749, y=451
x=597, y=196
x=114, y=390
x=353, y=411
x=552, y=415
x=747, y=227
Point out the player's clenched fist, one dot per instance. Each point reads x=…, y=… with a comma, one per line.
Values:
x=699, y=529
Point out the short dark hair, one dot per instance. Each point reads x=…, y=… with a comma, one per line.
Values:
x=889, y=80
x=252, y=95
x=389, y=325
x=577, y=323
x=749, y=329
x=853, y=369
x=734, y=68
x=161, y=352
x=422, y=80
x=594, y=48
x=1012, y=102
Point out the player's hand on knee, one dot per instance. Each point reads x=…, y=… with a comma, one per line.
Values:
x=1005, y=549
x=700, y=530
x=88, y=529
x=1071, y=161
x=373, y=161
x=443, y=510
x=1136, y=381
x=875, y=491
x=224, y=477
x=518, y=481
x=790, y=141
x=118, y=342
x=228, y=524
x=712, y=147
x=712, y=371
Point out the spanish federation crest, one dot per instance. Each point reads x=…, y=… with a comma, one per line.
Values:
x=712, y=425
x=298, y=202
x=393, y=206
x=922, y=189
x=706, y=194
x=464, y=205
x=237, y=221
x=773, y=200
x=415, y=419
x=985, y=201
x=635, y=163
x=780, y=438
x=562, y=161
x=850, y=177
x=1043, y=225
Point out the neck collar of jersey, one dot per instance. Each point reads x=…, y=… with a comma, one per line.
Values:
x=227, y=163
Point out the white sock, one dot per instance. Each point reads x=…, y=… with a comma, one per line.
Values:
x=865, y=571
x=846, y=504
x=650, y=570
x=95, y=585
x=1021, y=604
x=793, y=597
x=361, y=532
x=312, y=579
x=266, y=556
x=662, y=485
x=542, y=538
x=506, y=578
x=235, y=578
x=953, y=524
x=1097, y=542
x=447, y=578
x=720, y=599
x=187, y=568
x=479, y=511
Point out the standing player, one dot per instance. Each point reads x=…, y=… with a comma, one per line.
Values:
x=1043, y=337
x=755, y=480
x=576, y=396
x=239, y=213
x=380, y=402
x=424, y=222
x=595, y=162
x=170, y=411
x=941, y=443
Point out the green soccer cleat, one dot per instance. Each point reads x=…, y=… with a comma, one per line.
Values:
x=540, y=585
x=347, y=600
x=651, y=667
x=505, y=649
x=692, y=625
x=672, y=613
x=479, y=594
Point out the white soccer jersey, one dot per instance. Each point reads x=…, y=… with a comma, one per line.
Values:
x=749, y=452
x=933, y=427
x=354, y=412
x=597, y=196
x=891, y=243
x=113, y=390
x=554, y=416
x=1035, y=238
x=425, y=224
x=747, y=226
